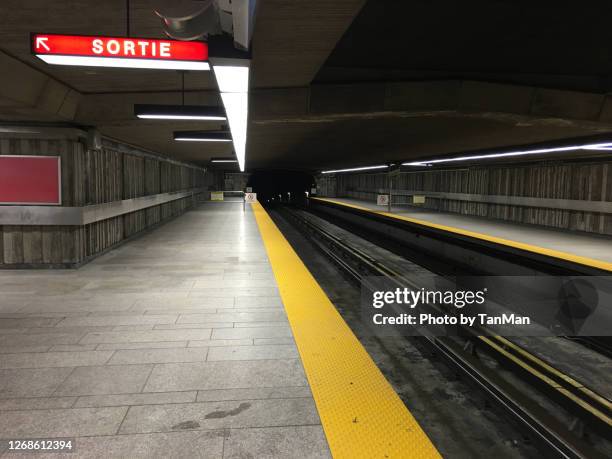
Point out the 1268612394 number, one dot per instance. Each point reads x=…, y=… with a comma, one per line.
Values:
x=66, y=445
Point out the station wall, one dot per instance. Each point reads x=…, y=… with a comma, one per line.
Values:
x=571, y=196
x=105, y=184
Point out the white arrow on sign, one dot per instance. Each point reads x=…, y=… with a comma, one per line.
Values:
x=42, y=42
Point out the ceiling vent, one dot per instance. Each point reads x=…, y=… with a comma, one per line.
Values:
x=196, y=20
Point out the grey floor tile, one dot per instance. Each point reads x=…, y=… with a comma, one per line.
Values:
x=143, y=345
x=157, y=304
x=225, y=375
x=28, y=322
x=36, y=403
x=251, y=332
x=284, y=324
x=233, y=283
x=132, y=327
x=255, y=393
x=19, y=349
x=248, y=301
x=121, y=319
x=264, y=352
x=221, y=414
x=39, y=339
x=156, y=398
x=192, y=354
x=31, y=382
x=72, y=347
x=61, y=422
x=173, y=445
x=233, y=317
x=195, y=325
x=108, y=379
x=231, y=292
x=221, y=342
x=264, y=341
x=295, y=442
x=64, y=330
x=54, y=359
x=144, y=336
x=262, y=308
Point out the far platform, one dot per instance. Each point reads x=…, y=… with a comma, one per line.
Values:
x=592, y=249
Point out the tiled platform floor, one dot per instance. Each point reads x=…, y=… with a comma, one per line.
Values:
x=174, y=345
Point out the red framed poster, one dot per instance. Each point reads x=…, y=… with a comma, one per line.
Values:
x=30, y=180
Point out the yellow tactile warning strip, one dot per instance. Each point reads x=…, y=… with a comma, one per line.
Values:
x=361, y=414
x=485, y=237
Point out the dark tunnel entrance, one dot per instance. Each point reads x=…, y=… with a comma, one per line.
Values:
x=281, y=186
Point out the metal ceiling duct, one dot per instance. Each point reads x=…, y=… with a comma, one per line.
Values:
x=197, y=19
x=189, y=20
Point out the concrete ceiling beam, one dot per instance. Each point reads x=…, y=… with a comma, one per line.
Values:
x=338, y=101
x=292, y=39
x=31, y=93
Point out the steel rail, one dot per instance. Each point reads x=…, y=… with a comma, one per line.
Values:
x=591, y=404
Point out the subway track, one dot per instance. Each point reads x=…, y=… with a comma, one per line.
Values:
x=587, y=414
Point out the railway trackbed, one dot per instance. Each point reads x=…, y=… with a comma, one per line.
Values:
x=582, y=422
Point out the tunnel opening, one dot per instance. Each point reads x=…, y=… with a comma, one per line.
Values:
x=281, y=186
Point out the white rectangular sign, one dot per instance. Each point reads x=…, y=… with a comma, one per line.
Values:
x=382, y=200
x=250, y=197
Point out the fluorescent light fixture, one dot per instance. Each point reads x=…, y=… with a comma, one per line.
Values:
x=17, y=130
x=181, y=117
x=201, y=139
x=539, y=151
x=231, y=69
x=91, y=61
x=179, y=112
x=232, y=78
x=600, y=146
x=202, y=136
x=355, y=169
x=223, y=161
x=237, y=109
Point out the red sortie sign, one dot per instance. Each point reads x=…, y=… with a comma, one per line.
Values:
x=30, y=180
x=137, y=48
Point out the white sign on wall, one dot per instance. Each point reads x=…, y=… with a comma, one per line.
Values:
x=313, y=191
x=382, y=200
x=249, y=189
x=250, y=197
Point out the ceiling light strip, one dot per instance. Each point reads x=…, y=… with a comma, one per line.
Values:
x=355, y=169
x=236, y=107
x=117, y=62
x=200, y=139
x=599, y=146
x=181, y=117
x=179, y=112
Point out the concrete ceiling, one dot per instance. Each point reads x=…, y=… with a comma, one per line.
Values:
x=338, y=82
x=563, y=45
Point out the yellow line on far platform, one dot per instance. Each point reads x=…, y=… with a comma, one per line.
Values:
x=485, y=237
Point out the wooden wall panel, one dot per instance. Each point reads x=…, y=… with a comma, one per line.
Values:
x=588, y=182
x=94, y=177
